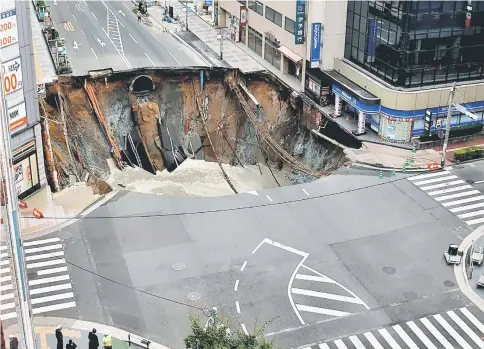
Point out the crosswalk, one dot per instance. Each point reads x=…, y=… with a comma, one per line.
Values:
x=454, y=329
x=47, y=275
x=317, y=296
x=454, y=194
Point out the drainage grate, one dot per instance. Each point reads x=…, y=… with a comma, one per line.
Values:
x=470, y=181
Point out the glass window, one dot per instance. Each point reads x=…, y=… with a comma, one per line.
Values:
x=255, y=41
x=257, y=6
x=273, y=16
x=289, y=25
x=271, y=54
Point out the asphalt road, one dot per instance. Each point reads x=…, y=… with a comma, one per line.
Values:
x=316, y=269
x=106, y=34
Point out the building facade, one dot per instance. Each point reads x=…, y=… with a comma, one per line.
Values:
x=20, y=89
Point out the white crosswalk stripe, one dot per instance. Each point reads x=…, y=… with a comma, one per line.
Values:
x=318, y=296
x=49, y=283
x=454, y=329
x=453, y=193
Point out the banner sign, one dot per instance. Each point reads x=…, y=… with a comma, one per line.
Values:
x=12, y=75
x=41, y=90
x=315, y=45
x=17, y=116
x=8, y=28
x=372, y=34
x=243, y=15
x=300, y=18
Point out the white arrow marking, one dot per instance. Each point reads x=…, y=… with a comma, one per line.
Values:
x=76, y=45
x=78, y=6
x=121, y=12
x=100, y=42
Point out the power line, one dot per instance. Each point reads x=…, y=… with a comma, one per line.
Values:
x=153, y=215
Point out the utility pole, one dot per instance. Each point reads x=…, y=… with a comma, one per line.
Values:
x=447, y=125
x=11, y=228
x=221, y=43
x=186, y=15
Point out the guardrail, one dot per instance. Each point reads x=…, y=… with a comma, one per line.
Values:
x=142, y=342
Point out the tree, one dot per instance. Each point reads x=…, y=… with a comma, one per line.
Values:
x=216, y=334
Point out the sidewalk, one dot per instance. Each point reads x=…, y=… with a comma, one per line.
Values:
x=451, y=149
x=237, y=55
x=78, y=331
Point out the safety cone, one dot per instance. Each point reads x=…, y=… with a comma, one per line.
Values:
x=406, y=164
x=404, y=169
x=394, y=173
x=380, y=175
x=37, y=213
x=22, y=204
x=412, y=158
x=414, y=150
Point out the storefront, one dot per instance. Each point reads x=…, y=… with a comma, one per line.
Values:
x=26, y=170
x=271, y=53
x=291, y=62
x=317, y=86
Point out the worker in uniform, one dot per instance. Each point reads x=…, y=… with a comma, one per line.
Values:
x=139, y=16
x=59, y=337
x=107, y=341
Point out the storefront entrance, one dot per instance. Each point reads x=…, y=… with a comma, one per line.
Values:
x=26, y=170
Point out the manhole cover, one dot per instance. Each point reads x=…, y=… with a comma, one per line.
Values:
x=194, y=296
x=178, y=266
x=410, y=296
x=449, y=283
x=389, y=270
x=469, y=181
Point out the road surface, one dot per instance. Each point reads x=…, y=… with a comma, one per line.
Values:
x=107, y=34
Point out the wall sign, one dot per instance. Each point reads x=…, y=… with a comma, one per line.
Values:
x=12, y=75
x=372, y=34
x=367, y=108
x=315, y=45
x=300, y=20
x=17, y=116
x=243, y=14
x=41, y=90
x=8, y=28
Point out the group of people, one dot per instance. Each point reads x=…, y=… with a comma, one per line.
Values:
x=92, y=337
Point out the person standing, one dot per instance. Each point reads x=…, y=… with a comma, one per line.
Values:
x=139, y=16
x=71, y=345
x=60, y=337
x=107, y=341
x=13, y=342
x=93, y=340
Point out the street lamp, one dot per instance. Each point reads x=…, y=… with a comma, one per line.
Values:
x=221, y=37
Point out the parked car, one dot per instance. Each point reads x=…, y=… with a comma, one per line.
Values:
x=478, y=255
x=480, y=281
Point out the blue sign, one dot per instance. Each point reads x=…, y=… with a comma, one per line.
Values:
x=372, y=34
x=367, y=108
x=315, y=44
x=208, y=2
x=300, y=18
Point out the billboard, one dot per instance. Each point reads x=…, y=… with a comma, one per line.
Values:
x=315, y=44
x=17, y=117
x=300, y=18
x=8, y=28
x=12, y=75
x=372, y=34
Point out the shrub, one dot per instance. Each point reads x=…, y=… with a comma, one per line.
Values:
x=468, y=153
x=460, y=131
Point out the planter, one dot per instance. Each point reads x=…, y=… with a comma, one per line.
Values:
x=438, y=143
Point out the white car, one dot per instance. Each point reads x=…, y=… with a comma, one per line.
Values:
x=477, y=255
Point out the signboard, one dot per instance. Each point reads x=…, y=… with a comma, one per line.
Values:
x=41, y=90
x=17, y=116
x=463, y=110
x=467, y=22
x=8, y=28
x=372, y=34
x=300, y=19
x=315, y=45
x=22, y=176
x=12, y=75
x=428, y=121
x=243, y=14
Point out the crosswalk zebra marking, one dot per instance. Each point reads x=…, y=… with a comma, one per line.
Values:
x=475, y=221
x=43, y=249
x=46, y=264
x=466, y=329
x=323, y=346
x=373, y=341
x=472, y=319
x=44, y=256
x=356, y=342
x=314, y=278
x=406, y=338
x=52, y=298
x=322, y=311
x=53, y=307
x=49, y=280
x=389, y=339
x=451, y=331
x=466, y=208
x=445, y=343
x=52, y=271
x=418, y=332
x=459, y=195
x=449, y=190
x=334, y=297
x=40, y=242
x=471, y=214
x=435, y=180
x=50, y=289
x=463, y=201
x=428, y=175
x=443, y=185
x=339, y=343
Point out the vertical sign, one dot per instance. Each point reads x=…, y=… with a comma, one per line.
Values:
x=428, y=121
x=468, y=14
x=300, y=18
x=12, y=75
x=372, y=33
x=17, y=116
x=315, y=44
x=8, y=28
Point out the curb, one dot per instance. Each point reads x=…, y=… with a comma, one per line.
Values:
x=388, y=169
x=71, y=220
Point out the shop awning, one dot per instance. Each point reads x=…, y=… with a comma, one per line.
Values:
x=289, y=54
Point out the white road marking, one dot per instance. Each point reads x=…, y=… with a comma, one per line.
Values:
x=94, y=53
x=3, y=255
x=127, y=7
x=384, y=333
x=42, y=249
x=305, y=192
x=133, y=38
x=449, y=190
x=471, y=165
x=442, y=185
x=463, y=201
x=82, y=31
x=471, y=214
x=44, y=256
x=466, y=208
x=40, y=242
x=426, y=322
x=5, y=278
x=478, y=182
x=324, y=295
x=94, y=15
x=429, y=175
x=243, y=266
x=7, y=287
x=3, y=247
x=451, y=331
x=472, y=319
x=53, y=307
x=435, y=180
x=322, y=311
x=339, y=343
x=8, y=316
x=153, y=35
x=373, y=341
x=408, y=341
x=4, y=270
x=475, y=221
x=50, y=288
x=281, y=246
x=150, y=59
x=323, y=346
x=458, y=195
x=6, y=296
x=5, y=262
x=85, y=3
x=237, y=306
x=314, y=278
x=269, y=198
x=7, y=306
x=52, y=298
x=51, y=271
x=48, y=280
x=46, y=263
x=466, y=329
x=357, y=343
x=175, y=58
x=236, y=285
x=244, y=329
x=423, y=338
x=74, y=17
